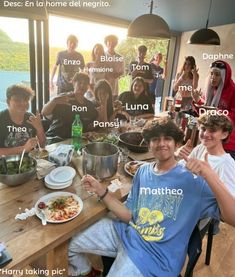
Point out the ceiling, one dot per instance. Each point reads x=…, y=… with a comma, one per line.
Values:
x=181, y=15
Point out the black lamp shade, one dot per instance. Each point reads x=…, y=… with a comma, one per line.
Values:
x=149, y=26
x=205, y=37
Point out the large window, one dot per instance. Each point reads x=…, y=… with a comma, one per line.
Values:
x=14, y=55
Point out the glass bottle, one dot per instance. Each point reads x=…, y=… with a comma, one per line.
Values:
x=77, y=132
x=178, y=102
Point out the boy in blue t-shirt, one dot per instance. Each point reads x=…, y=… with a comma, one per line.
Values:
x=166, y=201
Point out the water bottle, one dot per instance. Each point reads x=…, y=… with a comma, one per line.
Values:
x=77, y=132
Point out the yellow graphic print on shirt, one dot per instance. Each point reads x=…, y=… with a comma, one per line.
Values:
x=148, y=226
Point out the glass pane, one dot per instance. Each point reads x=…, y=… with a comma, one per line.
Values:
x=14, y=55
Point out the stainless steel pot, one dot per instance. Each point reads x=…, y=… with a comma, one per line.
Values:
x=100, y=159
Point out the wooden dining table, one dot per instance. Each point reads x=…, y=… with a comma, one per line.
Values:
x=46, y=247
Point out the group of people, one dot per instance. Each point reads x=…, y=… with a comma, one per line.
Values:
x=149, y=235
x=151, y=231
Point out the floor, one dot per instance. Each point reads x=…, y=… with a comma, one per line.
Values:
x=223, y=255
x=222, y=259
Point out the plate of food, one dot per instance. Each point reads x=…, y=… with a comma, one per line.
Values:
x=132, y=167
x=59, y=207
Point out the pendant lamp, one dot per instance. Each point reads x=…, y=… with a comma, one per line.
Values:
x=149, y=26
x=205, y=36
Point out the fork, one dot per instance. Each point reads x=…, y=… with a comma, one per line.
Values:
x=42, y=216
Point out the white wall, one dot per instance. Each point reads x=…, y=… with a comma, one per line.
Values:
x=227, y=41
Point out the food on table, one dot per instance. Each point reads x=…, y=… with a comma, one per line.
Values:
x=101, y=137
x=42, y=205
x=133, y=166
x=61, y=208
x=13, y=166
x=39, y=154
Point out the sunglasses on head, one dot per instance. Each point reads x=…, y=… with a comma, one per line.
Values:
x=219, y=65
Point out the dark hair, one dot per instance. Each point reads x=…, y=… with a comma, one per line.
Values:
x=111, y=38
x=217, y=122
x=93, y=50
x=103, y=84
x=192, y=62
x=72, y=38
x=165, y=127
x=139, y=79
x=81, y=76
x=142, y=48
x=20, y=91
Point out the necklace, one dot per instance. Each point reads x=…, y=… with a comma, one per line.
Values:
x=161, y=171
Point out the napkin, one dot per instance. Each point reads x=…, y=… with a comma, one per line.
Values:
x=62, y=155
x=27, y=213
x=2, y=248
x=44, y=167
x=115, y=185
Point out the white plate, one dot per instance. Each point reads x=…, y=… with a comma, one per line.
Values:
x=48, y=197
x=51, y=185
x=62, y=174
x=55, y=185
x=127, y=165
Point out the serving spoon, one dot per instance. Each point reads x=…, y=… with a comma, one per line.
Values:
x=141, y=142
x=21, y=159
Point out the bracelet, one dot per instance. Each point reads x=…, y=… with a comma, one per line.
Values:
x=103, y=196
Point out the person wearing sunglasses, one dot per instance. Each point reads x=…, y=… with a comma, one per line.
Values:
x=220, y=94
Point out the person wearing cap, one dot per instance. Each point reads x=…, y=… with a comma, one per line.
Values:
x=69, y=62
x=220, y=93
x=19, y=128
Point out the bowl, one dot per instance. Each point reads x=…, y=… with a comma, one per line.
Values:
x=12, y=178
x=132, y=141
x=39, y=154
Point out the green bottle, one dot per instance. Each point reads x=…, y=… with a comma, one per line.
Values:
x=77, y=132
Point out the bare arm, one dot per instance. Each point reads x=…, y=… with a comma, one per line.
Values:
x=36, y=122
x=178, y=81
x=164, y=74
x=225, y=199
x=53, y=74
x=29, y=145
x=113, y=204
x=63, y=98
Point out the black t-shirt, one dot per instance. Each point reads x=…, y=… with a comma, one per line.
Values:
x=12, y=134
x=128, y=99
x=70, y=64
x=145, y=70
x=64, y=115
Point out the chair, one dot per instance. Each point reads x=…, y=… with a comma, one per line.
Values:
x=209, y=229
x=194, y=249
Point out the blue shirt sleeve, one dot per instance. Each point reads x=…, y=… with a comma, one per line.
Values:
x=209, y=205
x=132, y=198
